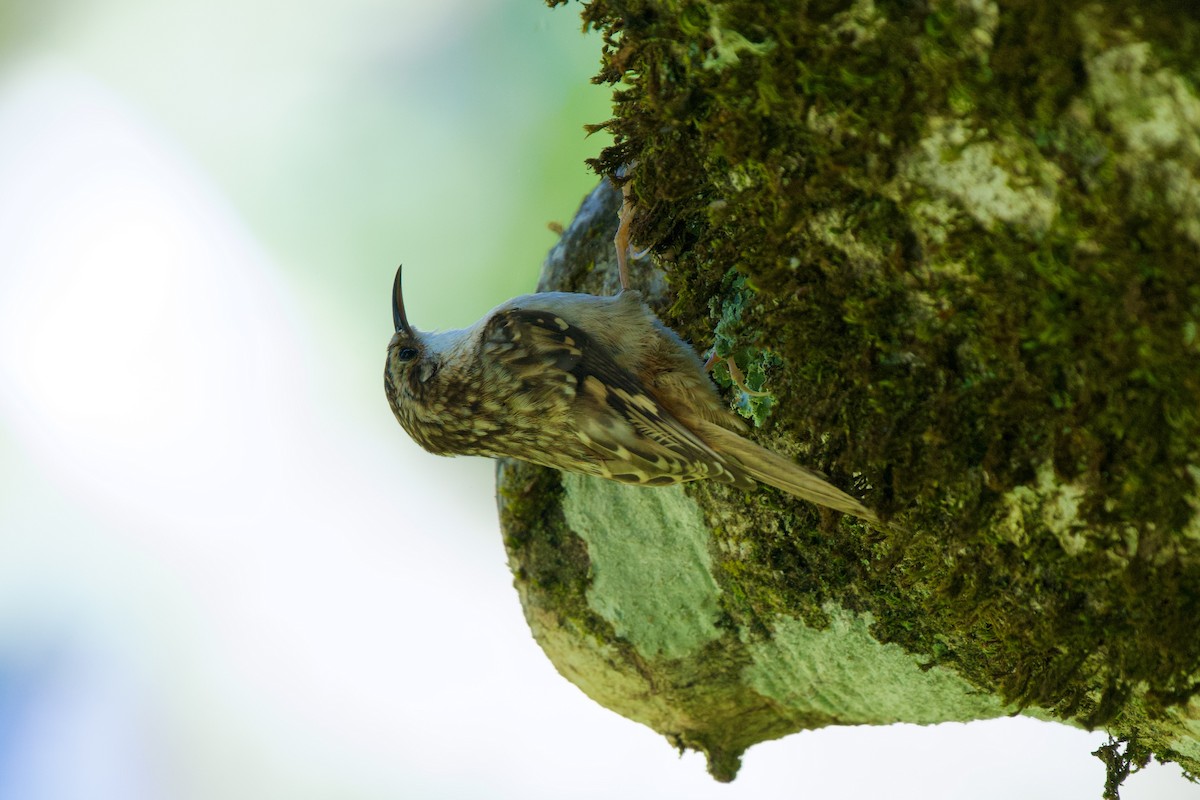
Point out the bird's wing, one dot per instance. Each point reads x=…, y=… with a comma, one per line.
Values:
x=628, y=435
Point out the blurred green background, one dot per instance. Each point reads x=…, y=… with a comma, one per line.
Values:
x=353, y=136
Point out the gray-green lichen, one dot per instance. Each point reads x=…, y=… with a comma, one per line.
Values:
x=845, y=672
x=994, y=179
x=1047, y=505
x=1188, y=743
x=729, y=45
x=1155, y=114
x=651, y=574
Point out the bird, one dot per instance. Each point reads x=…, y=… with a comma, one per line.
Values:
x=582, y=383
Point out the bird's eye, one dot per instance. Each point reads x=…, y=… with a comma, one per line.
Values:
x=407, y=353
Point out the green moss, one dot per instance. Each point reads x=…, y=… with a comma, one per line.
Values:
x=978, y=265
x=1121, y=758
x=550, y=563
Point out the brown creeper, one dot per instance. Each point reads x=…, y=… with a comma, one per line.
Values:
x=581, y=383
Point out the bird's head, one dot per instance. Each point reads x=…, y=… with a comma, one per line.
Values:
x=405, y=347
x=427, y=378
x=412, y=357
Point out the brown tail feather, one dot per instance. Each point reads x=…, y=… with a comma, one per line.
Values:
x=775, y=470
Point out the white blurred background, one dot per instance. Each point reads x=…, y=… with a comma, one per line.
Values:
x=225, y=572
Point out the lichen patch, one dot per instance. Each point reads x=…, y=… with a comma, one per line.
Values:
x=845, y=672
x=988, y=177
x=651, y=574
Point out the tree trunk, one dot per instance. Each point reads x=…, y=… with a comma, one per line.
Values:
x=960, y=248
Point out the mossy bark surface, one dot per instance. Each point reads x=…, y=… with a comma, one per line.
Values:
x=959, y=244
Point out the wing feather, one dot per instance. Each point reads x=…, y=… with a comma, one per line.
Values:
x=627, y=433
x=775, y=470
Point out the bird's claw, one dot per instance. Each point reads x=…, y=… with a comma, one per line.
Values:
x=735, y=373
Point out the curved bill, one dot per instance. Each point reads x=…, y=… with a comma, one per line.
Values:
x=398, y=316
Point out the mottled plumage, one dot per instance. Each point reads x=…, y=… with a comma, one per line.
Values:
x=581, y=383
